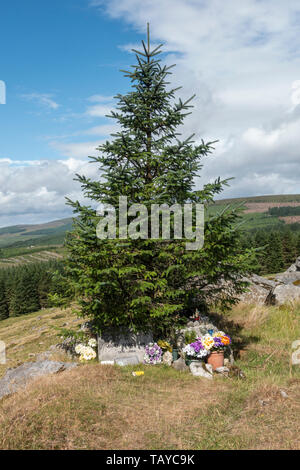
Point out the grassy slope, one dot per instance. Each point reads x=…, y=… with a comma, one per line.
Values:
x=286, y=198
x=104, y=407
x=256, y=220
x=26, y=235
x=17, y=257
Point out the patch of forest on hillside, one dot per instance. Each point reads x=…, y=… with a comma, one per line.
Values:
x=25, y=289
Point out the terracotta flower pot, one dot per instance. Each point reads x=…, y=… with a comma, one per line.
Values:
x=216, y=359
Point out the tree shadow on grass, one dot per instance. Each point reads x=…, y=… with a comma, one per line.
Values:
x=240, y=341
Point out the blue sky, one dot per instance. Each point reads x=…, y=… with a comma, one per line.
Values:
x=60, y=62
x=54, y=55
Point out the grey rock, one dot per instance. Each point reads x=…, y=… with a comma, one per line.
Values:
x=296, y=353
x=283, y=394
x=264, y=402
x=167, y=358
x=286, y=293
x=255, y=294
x=295, y=266
x=262, y=281
x=222, y=370
x=180, y=365
x=296, y=344
x=209, y=368
x=120, y=342
x=127, y=361
x=190, y=324
x=288, y=277
x=198, y=370
x=18, y=378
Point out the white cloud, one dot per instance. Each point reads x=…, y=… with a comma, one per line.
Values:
x=242, y=60
x=102, y=130
x=77, y=149
x=42, y=99
x=36, y=192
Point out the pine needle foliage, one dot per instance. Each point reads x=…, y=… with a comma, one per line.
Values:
x=151, y=283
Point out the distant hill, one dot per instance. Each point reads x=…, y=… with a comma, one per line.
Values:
x=256, y=210
x=280, y=198
x=50, y=233
x=256, y=215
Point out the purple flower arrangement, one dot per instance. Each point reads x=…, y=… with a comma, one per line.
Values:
x=204, y=345
x=153, y=354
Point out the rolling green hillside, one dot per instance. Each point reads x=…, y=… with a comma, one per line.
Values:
x=281, y=198
x=51, y=233
x=258, y=213
x=18, y=239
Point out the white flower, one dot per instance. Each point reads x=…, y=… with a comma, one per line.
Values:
x=92, y=343
x=87, y=353
x=79, y=348
x=189, y=350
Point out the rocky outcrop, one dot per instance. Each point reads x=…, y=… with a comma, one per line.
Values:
x=288, y=277
x=285, y=293
x=18, y=378
x=285, y=287
x=295, y=266
x=258, y=291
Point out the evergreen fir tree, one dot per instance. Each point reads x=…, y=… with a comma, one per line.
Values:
x=289, y=248
x=298, y=245
x=275, y=254
x=149, y=283
x=3, y=299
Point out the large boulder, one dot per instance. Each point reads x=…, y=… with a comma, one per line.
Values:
x=18, y=378
x=198, y=369
x=258, y=290
x=285, y=293
x=295, y=266
x=289, y=277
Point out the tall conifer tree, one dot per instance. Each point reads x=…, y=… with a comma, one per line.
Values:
x=150, y=283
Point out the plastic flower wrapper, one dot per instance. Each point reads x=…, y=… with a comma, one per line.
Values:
x=195, y=349
x=153, y=354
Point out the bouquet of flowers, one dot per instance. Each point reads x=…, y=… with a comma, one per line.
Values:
x=204, y=345
x=165, y=345
x=86, y=352
x=153, y=354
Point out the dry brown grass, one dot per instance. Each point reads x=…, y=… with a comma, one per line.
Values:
x=104, y=407
x=29, y=335
x=101, y=407
x=270, y=421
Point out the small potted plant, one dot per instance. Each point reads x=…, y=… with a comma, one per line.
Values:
x=210, y=346
x=216, y=344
